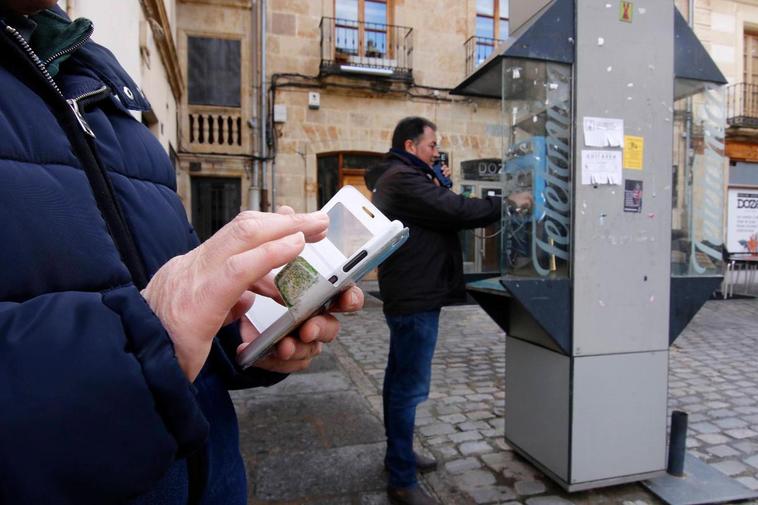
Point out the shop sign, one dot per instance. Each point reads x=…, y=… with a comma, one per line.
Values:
x=487, y=169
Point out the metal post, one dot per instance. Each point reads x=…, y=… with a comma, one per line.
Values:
x=677, y=443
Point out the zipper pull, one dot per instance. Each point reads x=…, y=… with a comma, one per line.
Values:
x=82, y=122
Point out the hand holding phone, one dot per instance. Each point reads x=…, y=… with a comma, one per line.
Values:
x=439, y=172
x=358, y=239
x=295, y=351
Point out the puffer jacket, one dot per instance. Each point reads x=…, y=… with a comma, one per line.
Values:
x=426, y=272
x=94, y=408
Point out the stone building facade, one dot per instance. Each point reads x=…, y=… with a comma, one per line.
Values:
x=217, y=43
x=272, y=102
x=341, y=84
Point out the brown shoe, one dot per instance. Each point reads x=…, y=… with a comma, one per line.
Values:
x=423, y=464
x=410, y=496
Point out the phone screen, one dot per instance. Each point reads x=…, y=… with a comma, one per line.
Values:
x=345, y=231
x=345, y=236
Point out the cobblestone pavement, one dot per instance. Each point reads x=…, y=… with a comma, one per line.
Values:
x=713, y=376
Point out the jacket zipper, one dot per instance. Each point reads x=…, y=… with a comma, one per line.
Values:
x=77, y=103
x=81, y=98
x=42, y=68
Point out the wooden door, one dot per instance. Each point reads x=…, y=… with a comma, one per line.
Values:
x=358, y=182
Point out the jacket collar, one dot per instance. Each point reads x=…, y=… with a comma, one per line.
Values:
x=412, y=160
x=91, y=67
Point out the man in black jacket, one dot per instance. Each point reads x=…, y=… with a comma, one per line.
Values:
x=425, y=274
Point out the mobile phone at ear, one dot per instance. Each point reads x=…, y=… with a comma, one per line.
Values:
x=358, y=239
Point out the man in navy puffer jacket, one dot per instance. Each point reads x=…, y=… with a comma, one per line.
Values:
x=118, y=332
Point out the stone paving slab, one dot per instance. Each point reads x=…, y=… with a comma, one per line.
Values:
x=713, y=376
x=308, y=422
x=311, y=439
x=341, y=471
x=317, y=437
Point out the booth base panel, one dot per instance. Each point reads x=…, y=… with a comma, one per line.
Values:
x=584, y=486
x=589, y=421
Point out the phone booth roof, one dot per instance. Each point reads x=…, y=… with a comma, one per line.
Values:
x=550, y=35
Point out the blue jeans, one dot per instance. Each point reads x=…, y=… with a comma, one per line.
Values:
x=406, y=384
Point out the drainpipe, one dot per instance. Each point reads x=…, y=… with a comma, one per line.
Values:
x=691, y=14
x=263, y=123
x=688, y=128
x=688, y=123
x=254, y=191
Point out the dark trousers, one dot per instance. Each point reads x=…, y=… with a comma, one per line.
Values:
x=406, y=384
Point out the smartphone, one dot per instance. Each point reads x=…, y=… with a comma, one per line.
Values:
x=359, y=238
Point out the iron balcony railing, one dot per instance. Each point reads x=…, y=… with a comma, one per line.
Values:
x=366, y=48
x=742, y=105
x=478, y=49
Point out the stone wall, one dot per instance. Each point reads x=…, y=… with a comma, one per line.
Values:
x=720, y=25
x=231, y=19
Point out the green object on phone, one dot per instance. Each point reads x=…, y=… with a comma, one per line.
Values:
x=294, y=279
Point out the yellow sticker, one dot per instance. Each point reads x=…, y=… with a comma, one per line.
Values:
x=634, y=150
x=625, y=13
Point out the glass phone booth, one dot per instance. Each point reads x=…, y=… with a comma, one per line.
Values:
x=590, y=289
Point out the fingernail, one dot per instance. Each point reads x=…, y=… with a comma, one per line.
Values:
x=353, y=297
x=316, y=331
x=318, y=214
x=296, y=238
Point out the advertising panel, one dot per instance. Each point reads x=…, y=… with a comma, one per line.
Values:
x=742, y=221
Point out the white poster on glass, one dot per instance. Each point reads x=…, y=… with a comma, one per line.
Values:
x=742, y=221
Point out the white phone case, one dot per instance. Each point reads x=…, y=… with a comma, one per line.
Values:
x=337, y=271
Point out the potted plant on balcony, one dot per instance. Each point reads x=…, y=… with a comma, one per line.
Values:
x=341, y=55
x=372, y=51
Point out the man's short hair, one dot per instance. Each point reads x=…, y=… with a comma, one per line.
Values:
x=410, y=128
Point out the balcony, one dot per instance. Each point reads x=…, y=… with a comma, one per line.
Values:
x=368, y=49
x=214, y=130
x=478, y=49
x=742, y=105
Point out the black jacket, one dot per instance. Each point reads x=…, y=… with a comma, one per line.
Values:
x=427, y=271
